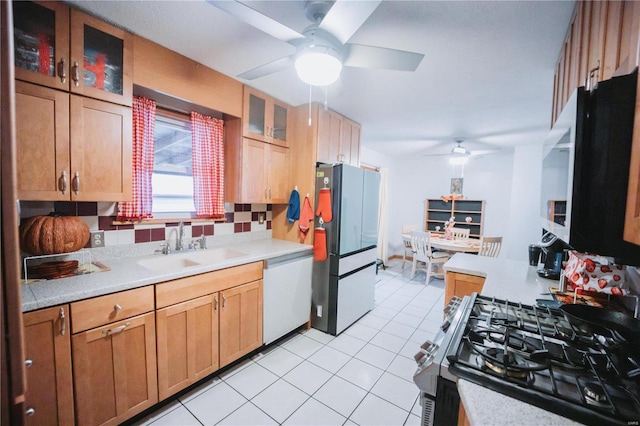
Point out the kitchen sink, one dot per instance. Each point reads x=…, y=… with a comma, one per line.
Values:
x=174, y=262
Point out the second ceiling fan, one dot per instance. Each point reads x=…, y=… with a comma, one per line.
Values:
x=322, y=48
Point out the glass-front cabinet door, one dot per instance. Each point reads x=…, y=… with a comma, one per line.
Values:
x=265, y=118
x=102, y=58
x=257, y=116
x=66, y=49
x=41, y=43
x=280, y=120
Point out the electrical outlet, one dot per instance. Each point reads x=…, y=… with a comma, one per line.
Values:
x=97, y=239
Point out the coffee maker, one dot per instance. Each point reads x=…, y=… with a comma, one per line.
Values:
x=551, y=256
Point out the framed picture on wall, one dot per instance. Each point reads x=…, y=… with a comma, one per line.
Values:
x=456, y=185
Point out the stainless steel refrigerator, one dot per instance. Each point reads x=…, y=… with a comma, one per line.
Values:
x=344, y=283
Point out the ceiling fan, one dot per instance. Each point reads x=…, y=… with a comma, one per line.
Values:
x=322, y=49
x=460, y=154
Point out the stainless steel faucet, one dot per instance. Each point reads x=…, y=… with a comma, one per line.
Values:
x=179, y=242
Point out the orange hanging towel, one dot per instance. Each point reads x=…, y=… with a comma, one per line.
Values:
x=319, y=244
x=324, y=205
x=306, y=216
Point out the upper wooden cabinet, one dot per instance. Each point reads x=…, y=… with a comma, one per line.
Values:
x=255, y=172
x=338, y=138
x=601, y=42
x=49, y=398
x=265, y=119
x=69, y=50
x=264, y=173
x=71, y=147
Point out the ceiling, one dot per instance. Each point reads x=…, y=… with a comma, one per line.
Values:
x=487, y=74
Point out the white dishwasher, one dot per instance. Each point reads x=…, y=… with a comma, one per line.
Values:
x=287, y=294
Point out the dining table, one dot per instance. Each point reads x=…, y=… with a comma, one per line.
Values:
x=462, y=245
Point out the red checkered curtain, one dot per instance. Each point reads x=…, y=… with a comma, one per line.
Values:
x=144, y=121
x=207, y=143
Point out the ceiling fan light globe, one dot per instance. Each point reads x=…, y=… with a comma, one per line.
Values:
x=458, y=160
x=318, y=68
x=459, y=150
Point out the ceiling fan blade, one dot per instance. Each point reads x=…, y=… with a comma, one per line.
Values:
x=345, y=17
x=478, y=152
x=257, y=19
x=362, y=56
x=266, y=69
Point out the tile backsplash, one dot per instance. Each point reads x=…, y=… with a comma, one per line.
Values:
x=99, y=216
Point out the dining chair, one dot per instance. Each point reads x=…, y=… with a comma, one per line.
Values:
x=459, y=233
x=490, y=246
x=422, y=252
x=406, y=230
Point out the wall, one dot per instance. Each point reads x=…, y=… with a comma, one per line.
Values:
x=508, y=182
x=240, y=218
x=524, y=213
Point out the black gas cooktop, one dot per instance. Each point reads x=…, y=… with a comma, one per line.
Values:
x=535, y=355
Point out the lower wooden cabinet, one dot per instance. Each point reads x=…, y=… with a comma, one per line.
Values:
x=187, y=342
x=114, y=370
x=461, y=285
x=49, y=397
x=240, y=321
x=119, y=355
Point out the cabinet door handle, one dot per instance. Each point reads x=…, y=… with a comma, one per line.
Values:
x=62, y=182
x=269, y=192
x=28, y=362
x=593, y=72
x=265, y=194
x=76, y=74
x=76, y=183
x=116, y=330
x=117, y=307
x=62, y=70
x=215, y=298
x=224, y=300
x=63, y=322
x=30, y=411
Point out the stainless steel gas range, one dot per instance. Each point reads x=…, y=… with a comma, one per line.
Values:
x=532, y=354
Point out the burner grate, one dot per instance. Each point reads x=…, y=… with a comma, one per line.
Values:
x=535, y=355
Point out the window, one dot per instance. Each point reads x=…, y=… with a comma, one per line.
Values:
x=172, y=177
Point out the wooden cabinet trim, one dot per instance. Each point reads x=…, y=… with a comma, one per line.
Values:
x=90, y=313
x=177, y=291
x=166, y=71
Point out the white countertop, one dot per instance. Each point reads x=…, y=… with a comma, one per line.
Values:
x=126, y=274
x=518, y=282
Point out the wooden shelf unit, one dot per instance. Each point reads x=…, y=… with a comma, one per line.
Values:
x=437, y=212
x=557, y=211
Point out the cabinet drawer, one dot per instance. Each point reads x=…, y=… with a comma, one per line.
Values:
x=103, y=310
x=177, y=291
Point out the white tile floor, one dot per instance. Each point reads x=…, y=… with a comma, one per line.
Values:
x=363, y=376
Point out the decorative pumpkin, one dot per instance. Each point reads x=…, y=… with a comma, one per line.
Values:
x=53, y=234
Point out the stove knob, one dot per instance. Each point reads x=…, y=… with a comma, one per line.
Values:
x=445, y=325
